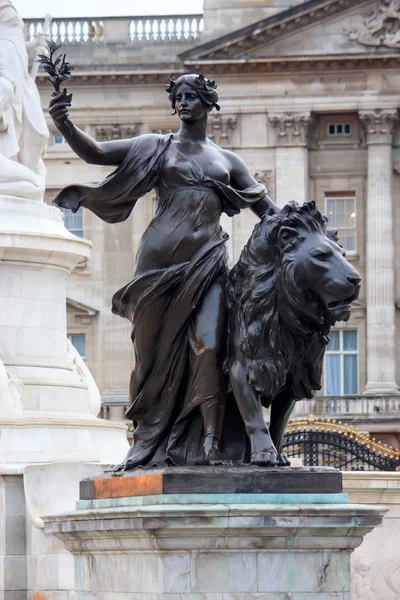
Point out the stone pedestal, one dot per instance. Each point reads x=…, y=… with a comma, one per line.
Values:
x=227, y=546
x=381, y=327
x=49, y=401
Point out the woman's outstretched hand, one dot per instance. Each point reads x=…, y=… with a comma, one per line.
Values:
x=58, y=108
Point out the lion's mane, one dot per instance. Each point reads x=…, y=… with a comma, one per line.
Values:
x=283, y=328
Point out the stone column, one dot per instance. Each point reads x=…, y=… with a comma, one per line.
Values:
x=291, y=130
x=381, y=342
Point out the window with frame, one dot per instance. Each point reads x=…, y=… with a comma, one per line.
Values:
x=58, y=138
x=339, y=129
x=73, y=221
x=341, y=212
x=341, y=363
x=79, y=342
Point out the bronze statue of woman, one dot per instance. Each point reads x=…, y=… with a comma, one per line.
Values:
x=177, y=298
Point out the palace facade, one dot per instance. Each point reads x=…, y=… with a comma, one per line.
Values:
x=310, y=98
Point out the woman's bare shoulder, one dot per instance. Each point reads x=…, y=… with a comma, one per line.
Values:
x=148, y=140
x=241, y=176
x=226, y=155
x=233, y=159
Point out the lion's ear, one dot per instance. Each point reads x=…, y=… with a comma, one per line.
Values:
x=332, y=234
x=288, y=239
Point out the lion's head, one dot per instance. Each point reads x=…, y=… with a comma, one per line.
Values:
x=290, y=285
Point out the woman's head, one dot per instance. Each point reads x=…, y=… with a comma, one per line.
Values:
x=192, y=95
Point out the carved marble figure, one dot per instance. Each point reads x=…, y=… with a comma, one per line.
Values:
x=23, y=130
x=186, y=366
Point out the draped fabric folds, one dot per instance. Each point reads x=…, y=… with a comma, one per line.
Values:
x=165, y=409
x=114, y=198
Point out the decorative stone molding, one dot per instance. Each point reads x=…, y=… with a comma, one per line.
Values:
x=291, y=128
x=284, y=65
x=161, y=131
x=220, y=129
x=105, y=133
x=379, y=125
x=381, y=28
x=82, y=313
x=264, y=177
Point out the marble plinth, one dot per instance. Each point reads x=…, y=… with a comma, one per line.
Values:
x=196, y=548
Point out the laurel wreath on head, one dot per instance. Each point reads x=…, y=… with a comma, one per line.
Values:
x=202, y=82
x=207, y=84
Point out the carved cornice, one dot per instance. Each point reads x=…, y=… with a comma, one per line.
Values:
x=105, y=133
x=239, y=43
x=291, y=128
x=382, y=28
x=379, y=125
x=220, y=129
x=312, y=64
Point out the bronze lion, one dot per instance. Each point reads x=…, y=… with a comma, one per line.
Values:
x=291, y=284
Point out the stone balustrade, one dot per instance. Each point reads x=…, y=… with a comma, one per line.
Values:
x=352, y=407
x=171, y=28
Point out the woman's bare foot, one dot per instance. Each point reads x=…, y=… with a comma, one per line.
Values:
x=211, y=451
x=263, y=451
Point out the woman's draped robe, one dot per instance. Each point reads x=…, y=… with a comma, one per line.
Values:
x=168, y=425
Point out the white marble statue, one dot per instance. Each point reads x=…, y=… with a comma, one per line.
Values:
x=23, y=130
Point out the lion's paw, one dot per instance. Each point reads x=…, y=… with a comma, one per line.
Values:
x=264, y=458
x=283, y=461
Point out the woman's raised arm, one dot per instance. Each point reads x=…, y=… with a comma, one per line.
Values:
x=95, y=153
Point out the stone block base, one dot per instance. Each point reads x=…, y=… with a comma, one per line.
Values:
x=213, y=551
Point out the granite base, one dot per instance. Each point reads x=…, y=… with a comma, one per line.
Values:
x=152, y=548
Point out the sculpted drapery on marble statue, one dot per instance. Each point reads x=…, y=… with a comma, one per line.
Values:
x=23, y=130
x=201, y=375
